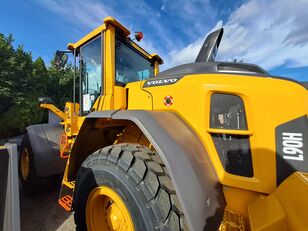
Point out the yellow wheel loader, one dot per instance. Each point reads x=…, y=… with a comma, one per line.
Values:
x=209, y=145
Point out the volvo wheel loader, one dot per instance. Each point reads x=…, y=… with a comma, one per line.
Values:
x=209, y=145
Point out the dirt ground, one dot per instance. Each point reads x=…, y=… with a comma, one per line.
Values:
x=42, y=213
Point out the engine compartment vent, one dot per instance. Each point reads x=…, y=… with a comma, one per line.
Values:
x=239, y=67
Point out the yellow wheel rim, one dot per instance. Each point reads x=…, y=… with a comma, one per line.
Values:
x=25, y=163
x=106, y=210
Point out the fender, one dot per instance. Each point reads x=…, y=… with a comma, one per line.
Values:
x=44, y=140
x=186, y=159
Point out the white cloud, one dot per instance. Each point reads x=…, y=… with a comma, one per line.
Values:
x=189, y=53
x=268, y=33
x=88, y=13
x=164, y=27
x=163, y=6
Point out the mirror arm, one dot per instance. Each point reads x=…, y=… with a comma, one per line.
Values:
x=66, y=51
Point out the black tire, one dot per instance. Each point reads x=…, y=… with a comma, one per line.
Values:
x=139, y=177
x=33, y=184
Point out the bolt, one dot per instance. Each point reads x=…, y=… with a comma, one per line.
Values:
x=208, y=202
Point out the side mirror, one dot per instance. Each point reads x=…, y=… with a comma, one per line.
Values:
x=46, y=100
x=61, y=59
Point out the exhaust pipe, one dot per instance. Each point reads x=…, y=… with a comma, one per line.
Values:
x=210, y=46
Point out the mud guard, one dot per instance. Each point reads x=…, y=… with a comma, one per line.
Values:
x=191, y=171
x=44, y=139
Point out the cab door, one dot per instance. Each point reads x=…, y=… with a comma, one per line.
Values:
x=91, y=75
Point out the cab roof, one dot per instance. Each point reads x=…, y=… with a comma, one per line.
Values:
x=97, y=31
x=124, y=31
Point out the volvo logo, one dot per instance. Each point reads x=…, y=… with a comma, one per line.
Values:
x=160, y=82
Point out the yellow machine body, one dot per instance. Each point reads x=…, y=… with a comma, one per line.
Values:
x=268, y=103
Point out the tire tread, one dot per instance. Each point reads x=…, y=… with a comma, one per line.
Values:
x=148, y=171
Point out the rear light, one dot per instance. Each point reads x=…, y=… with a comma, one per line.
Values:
x=138, y=35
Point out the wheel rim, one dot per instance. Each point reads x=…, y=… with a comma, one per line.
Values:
x=106, y=210
x=25, y=163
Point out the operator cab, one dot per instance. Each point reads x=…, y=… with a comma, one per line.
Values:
x=108, y=60
x=90, y=64
x=130, y=65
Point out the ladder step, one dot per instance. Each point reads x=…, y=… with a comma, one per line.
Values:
x=232, y=222
x=66, y=202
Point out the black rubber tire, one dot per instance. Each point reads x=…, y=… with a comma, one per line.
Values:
x=139, y=177
x=34, y=184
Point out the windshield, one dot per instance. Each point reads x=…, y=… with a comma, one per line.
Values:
x=91, y=73
x=130, y=65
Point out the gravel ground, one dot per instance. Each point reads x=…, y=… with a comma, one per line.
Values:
x=42, y=213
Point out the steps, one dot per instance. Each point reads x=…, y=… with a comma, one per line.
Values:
x=233, y=221
x=66, y=195
x=66, y=202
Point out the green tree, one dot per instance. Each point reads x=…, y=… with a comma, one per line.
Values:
x=61, y=84
x=22, y=81
x=40, y=77
x=7, y=69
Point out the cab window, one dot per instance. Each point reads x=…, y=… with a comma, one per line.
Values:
x=91, y=73
x=131, y=66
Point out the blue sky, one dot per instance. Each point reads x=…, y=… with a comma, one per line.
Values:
x=272, y=34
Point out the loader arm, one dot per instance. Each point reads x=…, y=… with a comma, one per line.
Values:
x=54, y=109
